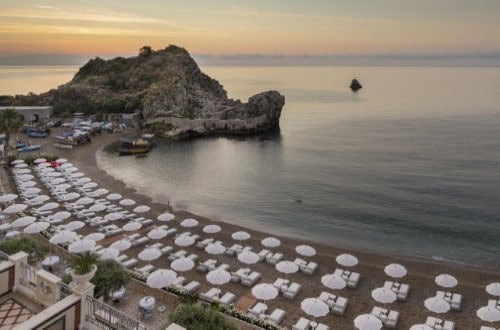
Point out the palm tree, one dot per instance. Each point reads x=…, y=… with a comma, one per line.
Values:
x=10, y=122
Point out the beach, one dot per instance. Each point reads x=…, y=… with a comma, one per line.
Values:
x=421, y=273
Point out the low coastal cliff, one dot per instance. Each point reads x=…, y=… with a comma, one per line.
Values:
x=174, y=97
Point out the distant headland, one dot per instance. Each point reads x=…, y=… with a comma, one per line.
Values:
x=173, y=96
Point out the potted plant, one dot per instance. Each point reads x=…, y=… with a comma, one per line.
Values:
x=84, y=268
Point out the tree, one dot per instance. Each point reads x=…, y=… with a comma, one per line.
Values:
x=197, y=317
x=145, y=51
x=110, y=276
x=10, y=122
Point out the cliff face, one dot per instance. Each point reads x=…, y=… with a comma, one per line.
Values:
x=175, y=98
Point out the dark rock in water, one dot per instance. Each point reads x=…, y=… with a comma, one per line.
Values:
x=355, y=85
x=298, y=201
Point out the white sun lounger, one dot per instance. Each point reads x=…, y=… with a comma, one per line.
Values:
x=305, y=324
x=292, y=291
x=454, y=299
x=351, y=278
x=129, y=263
x=257, y=310
x=439, y=324
x=401, y=290
x=251, y=279
x=276, y=317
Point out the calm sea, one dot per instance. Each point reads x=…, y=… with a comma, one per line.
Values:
x=410, y=164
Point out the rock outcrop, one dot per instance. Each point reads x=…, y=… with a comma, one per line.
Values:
x=174, y=97
x=355, y=85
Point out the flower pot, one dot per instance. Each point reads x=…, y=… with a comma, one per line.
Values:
x=80, y=280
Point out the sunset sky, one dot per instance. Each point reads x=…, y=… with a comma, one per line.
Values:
x=293, y=27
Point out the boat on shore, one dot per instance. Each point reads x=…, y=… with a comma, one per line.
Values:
x=29, y=148
x=38, y=133
x=136, y=145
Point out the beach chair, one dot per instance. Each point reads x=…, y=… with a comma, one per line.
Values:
x=179, y=282
x=281, y=284
x=401, y=290
x=210, y=295
x=145, y=270
x=233, y=249
x=140, y=241
x=339, y=306
x=171, y=232
x=454, y=299
x=192, y=256
x=206, y=265
x=156, y=245
x=202, y=244
x=310, y=268
x=129, y=263
x=436, y=323
x=257, y=310
x=251, y=279
x=192, y=286
x=276, y=317
x=263, y=254
x=227, y=298
x=122, y=258
x=147, y=222
x=176, y=255
x=392, y=320
x=292, y=291
x=166, y=250
x=494, y=303
x=351, y=278
x=273, y=259
x=236, y=276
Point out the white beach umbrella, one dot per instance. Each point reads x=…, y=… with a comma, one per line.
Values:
x=488, y=314
x=240, y=236
x=95, y=237
x=76, y=175
x=248, y=257
x=81, y=246
x=218, y=276
x=121, y=245
x=367, y=322
x=142, y=209
x=215, y=248
x=71, y=169
x=161, y=278
x=71, y=196
x=60, y=216
x=23, y=221
x=36, y=227
x=437, y=305
x=264, y=291
x=74, y=225
x=21, y=165
x=113, y=216
x=184, y=241
x=347, y=260
x=149, y=254
x=40, y=160
x=305, y=250
x=25, y=177
x=271, y=242
x=61, y=160
x=421, y=327
x=7, y=198
x=212, y=229
x=49, y=206
x=12, y=233
x=85, y=201
x=97, y=207
x=14, y=208
x=114, y=197
x=446, y=281
x=32, y=191
x=127, y=202
x=108, y=253
x=189, y=222
x=39, y=199
x=493, y=289
x=89, y=185
x=384, y=296
x=54, y=174
x=157, y=233
x=182, y=264
x=63, y=237
x=45, y=169
x=287, y=267
x=132, y=226
x=395, y=271
x=166, y=217
x=101, y=192
x=314, y=307
x=65, y=165
x=61, y=186
x=43, y=165
x=21, y=171
x=27, y=184
x=333, y=281
x=4, y=226
x=17, y=162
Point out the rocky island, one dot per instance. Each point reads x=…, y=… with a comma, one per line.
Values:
x=174, y=97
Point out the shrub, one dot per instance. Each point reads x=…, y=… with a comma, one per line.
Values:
x=198, y=317
x=110, y=276
x=82, y=264
x=25, y=244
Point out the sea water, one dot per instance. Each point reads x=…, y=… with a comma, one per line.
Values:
x=410, y=164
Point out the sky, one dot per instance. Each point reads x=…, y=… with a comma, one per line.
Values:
x=290, y=27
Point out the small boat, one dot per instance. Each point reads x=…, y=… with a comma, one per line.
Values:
x=30, y=148
x=63, y=146
x=136, y=146
x=38, y=133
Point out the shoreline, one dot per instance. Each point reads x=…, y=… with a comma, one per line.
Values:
x=421, y=273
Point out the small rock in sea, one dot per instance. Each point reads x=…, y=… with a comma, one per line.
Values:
x=298, y=201
x=355, y=85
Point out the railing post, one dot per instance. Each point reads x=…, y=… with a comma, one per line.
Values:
x=83, y=292
x=17, y=259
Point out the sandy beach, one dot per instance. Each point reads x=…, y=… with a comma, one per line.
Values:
x=421, y=273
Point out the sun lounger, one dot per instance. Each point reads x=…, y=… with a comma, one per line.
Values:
x=276, y=317
x=292, y=291
x=171, y=232
x=206, y=265
x=145, y=270
x=227, y=298
x=454, y=299
x=273, y=259
x=140, y=241
x=281, y=284
x=191, y=287
x=236, y=276
x=251, y=279
x=257, y=309
x=192, y=256
x=176, y=255
x=339, y=306
x=147, y=222
x=232, y=250
x=129, y=263
x=494, y=303
x=179, y=281
x=351, y=278
x=210, y=295
x=122, y=258
x=204, y=243
x=401, y=290
x=305, y=324
x=439, y=324
x=166, y=250
x=157, y=245
x=263, y=254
